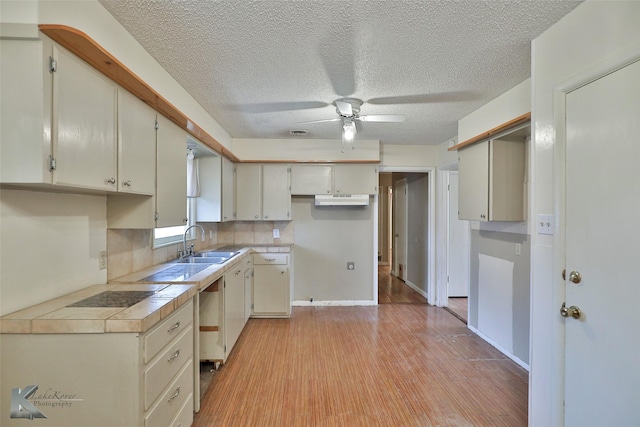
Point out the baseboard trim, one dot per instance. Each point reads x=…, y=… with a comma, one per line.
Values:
x=417, y=289
x=499, y=348
x=328, y=303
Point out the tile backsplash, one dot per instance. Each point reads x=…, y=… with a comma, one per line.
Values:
x=131, y=250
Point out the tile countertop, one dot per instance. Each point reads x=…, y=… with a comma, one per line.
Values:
x=57, y=317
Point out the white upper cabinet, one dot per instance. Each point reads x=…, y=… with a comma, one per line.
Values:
x=217, y=186
x=248, y=192
x=58, y=118
x=310, y=180
x=262, y=192
x=334, y=179
x=25, y=110
x=228, y=190
x=84, y=125
x=171, y=189
x=276, y=197
x=491, y=180
x=136, y=145
x=209, y=204
x=355, y=179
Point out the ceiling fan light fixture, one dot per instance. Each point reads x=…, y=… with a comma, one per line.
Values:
x=349, y=130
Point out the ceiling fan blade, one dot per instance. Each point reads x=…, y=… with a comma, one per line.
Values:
x=339, y=64
x=337, y=119
x=430, y=98
x=382, y=118
x=344, y=108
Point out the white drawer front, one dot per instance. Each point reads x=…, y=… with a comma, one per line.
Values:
x=158, y=375
x=269, y=258
x=171, y=401
x=185, y=416
x=170, y=328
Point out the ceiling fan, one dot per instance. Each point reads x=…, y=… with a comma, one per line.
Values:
x=348, y=110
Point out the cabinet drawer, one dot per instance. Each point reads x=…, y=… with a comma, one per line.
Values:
x=171, y=401
x=155, y=340
x=262, y=259
x=185, y=416
x=165, y=367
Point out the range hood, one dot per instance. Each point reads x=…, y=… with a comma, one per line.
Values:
x=343, y=200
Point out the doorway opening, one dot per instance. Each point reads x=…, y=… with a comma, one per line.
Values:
x=406, y=266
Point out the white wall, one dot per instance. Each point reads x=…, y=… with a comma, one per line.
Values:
x=304, y=150
x=90, y=17
x=584, y=37
x=408, y=155
x=325, y=239
x=50, y=245
x=511, y=104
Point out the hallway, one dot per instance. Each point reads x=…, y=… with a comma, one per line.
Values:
x=388, y=365
x=392, y=290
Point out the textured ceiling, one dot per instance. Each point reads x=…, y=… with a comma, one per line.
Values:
x=260, y=67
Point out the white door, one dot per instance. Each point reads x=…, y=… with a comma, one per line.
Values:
x=458, y=245
x=602, y=365
x=401, y=201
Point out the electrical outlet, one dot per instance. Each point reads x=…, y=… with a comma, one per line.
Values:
x=102, y=263
x=518, y=249
x=351, y=265
x=276, y=233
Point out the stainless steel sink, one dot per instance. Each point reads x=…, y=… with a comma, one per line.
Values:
x=213, y=257
x=200, y=260
x=215, y=254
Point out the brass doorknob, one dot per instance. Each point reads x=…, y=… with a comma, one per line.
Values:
x=572, y=311
x=575, y=277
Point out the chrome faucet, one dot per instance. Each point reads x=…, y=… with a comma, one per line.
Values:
x=185, y=253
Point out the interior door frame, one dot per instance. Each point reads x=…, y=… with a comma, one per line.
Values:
x=448, y=233
x=589, y=75
x=396, y=237
x=431, y=238
x=441, y=293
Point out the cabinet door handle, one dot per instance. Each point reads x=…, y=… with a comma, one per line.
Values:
x=111, y=181
x=256, y=216
x=174, y=327
x=269, y=259
x=176, y=394
x=174, y=355
x=127, y=183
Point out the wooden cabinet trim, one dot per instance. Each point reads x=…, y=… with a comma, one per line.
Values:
x=302, y=162
x=95, y=55
x=492, y=132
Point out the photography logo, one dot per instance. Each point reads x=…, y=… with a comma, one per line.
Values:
x=21, y=407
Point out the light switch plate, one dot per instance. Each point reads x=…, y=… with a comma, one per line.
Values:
x=276, y=233
x=545, y=224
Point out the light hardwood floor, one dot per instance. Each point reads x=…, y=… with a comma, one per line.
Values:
x=392, y=290
x=390, y=365
x=459, y=306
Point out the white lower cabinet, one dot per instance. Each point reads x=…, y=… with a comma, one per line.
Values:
x=111, y=379
x=271, y=285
